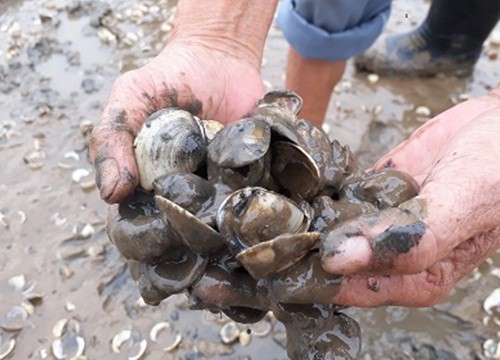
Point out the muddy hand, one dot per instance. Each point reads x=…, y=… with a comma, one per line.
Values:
x=213, y=76
x=413, y=255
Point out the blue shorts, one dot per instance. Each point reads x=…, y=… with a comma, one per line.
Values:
x=332, y=30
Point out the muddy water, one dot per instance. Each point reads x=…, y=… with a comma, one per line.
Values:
x=55, y=74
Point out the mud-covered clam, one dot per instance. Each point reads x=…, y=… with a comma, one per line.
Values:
x=236, y=217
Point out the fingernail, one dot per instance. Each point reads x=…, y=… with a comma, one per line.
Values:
x=350, y=256
x=107, y=177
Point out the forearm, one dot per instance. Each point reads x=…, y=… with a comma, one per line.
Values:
x=237, y=27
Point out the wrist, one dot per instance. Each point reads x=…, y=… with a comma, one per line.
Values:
x=238, y=29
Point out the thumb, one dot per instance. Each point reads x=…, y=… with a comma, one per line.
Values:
x=459, y=200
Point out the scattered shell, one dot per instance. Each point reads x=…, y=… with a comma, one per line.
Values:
x=175, y=343
x=30, y=309
x=261, y=328
x=245, y=338
x=84, y=231
x=140, y=351
x=34, y=299
x=378, y=109
x=22, y=216
x=68, y=347
x=4, y=221
x=14, y=319
x=153, y=334
x=219, y=318
x=495, y=38
x=106, y=36
x=373, y=78
x=72, y=154
x=79, y=174
x=229, y=332
x=423, y=111
x=120, y=338
x=59, y=328
x=17, y=282
x=6, y=348
x=58, y=219
x=69, y=306
x=87, y=185
x=86, y=127
x=43, y=353
x=491, y=349
x=492, y=301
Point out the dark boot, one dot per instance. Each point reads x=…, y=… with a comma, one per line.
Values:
x=449, y=41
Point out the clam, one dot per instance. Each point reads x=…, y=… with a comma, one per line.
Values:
x=212, y=127
x=282, y=99
x=170, y=141
x=384, y=188
x=196, y=235
x=166, y=278
x=260, y=225
x=139, y=231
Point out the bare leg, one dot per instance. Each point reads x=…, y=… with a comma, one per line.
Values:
x=313, y=80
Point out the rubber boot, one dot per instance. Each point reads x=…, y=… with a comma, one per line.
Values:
x=449, y=41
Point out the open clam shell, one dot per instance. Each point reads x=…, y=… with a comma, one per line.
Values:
x=170, y=141
x=273, y=256
x=157, y=282
x=252, y=215
x=138, y=230
x=239, y=144
x=295, y=170
x=196, y=235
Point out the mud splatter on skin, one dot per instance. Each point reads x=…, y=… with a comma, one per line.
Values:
x=188, y=102
x=398, y=230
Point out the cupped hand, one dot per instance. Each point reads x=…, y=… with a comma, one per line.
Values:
x=210, y=83
x=415, y=254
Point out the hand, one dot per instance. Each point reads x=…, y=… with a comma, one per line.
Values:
x=209, y=82
x=414, y=255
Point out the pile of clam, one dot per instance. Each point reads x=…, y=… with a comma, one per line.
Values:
x=235, y=216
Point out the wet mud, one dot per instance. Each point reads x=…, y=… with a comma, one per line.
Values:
x=57, y=64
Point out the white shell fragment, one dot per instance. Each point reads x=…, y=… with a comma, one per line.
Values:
x=69, y=347
x=261, y=328
x=174, y=344
x=423, y=111
x=119, y=339
x=6, y=348
x=153, y=334
x=373, y=78
x=59, y=328
x=229, y=332
x=79, y=174
x=17, y=282
x=141, y=349
x=14, y=319
x=491, y=349
x=245, y=338
x=495, y=38
x=492, y=301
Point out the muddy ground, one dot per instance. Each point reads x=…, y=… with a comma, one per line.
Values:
x=58, y=60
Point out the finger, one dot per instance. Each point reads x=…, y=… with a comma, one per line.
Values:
x=459, y=199
x=417, y=154
x=426, y=288
x=111, y=146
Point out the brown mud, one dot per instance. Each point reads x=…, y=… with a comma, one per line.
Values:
x=57, y=64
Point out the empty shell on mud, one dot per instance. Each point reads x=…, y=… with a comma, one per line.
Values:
x=119, y=339
x=6, y=348
x=229, y=332
x=14, y=319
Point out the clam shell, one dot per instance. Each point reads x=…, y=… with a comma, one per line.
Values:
x=283, y=99
x=170, y=141
x=212, y=127
x=197, y=236
x=252, y=215
x=6, y=348
x=229, y=332
x=166, y=278
x=239, y=144
x=271, y=257
x=139, y=231
x=295, y=170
